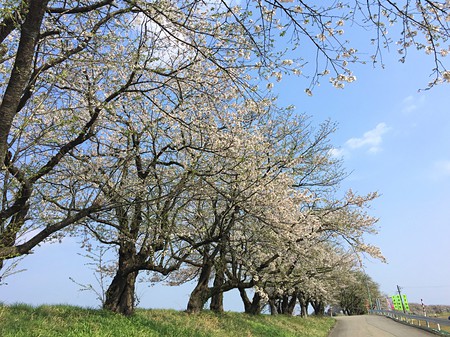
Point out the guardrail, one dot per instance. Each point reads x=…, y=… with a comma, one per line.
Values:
x=428, y=323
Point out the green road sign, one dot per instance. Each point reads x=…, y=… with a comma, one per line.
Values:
x=397, y=302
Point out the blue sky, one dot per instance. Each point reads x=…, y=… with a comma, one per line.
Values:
x=393, y=138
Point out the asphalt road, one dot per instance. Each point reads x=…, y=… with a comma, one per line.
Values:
x=373, y=326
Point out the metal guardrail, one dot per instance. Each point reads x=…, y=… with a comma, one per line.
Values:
x=416, y=320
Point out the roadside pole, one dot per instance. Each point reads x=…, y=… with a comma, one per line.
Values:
x=401, y=299
x=423, y=308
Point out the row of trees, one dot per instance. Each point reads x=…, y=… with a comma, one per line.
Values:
x=149, y=126
x=253, y=208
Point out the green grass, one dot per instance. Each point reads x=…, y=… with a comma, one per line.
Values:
x=444, y=315
x=68, y=321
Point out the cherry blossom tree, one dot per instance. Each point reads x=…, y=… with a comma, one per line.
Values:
x=313, y=268
x=58, y=80
x=319, y=249
x=358, y=294
x=53, y=94
x=166, y=150
x=256, y=218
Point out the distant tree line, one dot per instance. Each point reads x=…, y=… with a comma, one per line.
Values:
x=430, y=310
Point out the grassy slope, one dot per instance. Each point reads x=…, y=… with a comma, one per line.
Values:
x=23, y=320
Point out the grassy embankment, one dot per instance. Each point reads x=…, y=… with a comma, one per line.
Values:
x=49, y=321
x=431, y=325
x=445, y=315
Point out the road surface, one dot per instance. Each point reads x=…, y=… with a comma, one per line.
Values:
x=374, y=326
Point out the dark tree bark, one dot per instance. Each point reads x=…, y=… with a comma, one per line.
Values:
x=256, y=306
x=21, y=72
x=273, y=306
x=284, y=304
x=251, y=307
x=217, y=298
x=120, y=296
x=303, y=301
x=291, y=302
x=303, y=309
x=7, y=252
x=201, y=293
x=319, y=307
x=245, y=300
x=20, y=75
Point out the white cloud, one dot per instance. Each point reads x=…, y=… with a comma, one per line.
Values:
x=339, y=152
x=412, y=103
x=371, y=139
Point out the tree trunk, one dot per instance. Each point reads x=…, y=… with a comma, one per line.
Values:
x=303, y=306
x=20, y=74
x=291, y=305
x=319, y=307
x=303, y=300
x=255, y=308
x=251, y=307
x=9, y=103
x=287, y=304
x=245, y=300
x=304, y=310
x=200, y=294
x=273, y=306
x=120, y=296
x=284, y=302
x=217, y=298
